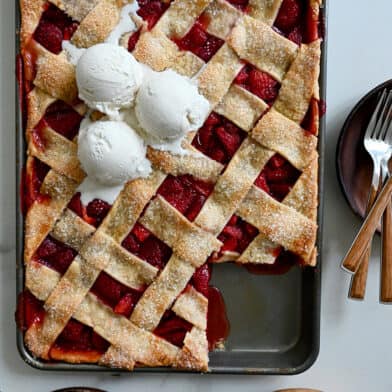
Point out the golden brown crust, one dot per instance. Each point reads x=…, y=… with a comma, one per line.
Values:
x=257, y=43
x=97, y=24
x=264, y=10
x=298, y=85
x=276, y=132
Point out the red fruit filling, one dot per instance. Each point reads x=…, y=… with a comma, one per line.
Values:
x=29, y=311
x=315, y=111
x=289, y=15
x=94, y=213
x=282, y=264
x=218, y=326
x=258, y=83
x=63, y=119
x=218, y=138
x=277, y=177
x=185, y=193
x=122, y=299
x=236, y=235
x=31, y=181
x=132, y=41
x=201, y=279
x=173, y=328
x=142, y=243
x=199, y=42
x=240, y=4
x=55, y=254
x=152, y=10
x=79, y=337
x=54, y=27
x=298, y=21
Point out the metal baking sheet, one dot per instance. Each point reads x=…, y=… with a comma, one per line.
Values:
x=274, y=319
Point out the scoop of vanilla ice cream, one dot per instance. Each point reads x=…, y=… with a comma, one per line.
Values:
x=108, y=77
x=111, y=153
x=168, y=105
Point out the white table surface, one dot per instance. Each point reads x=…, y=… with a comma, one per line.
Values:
x=356, y=349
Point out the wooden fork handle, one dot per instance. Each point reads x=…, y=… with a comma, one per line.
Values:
x=358, y=281
x=353, y=257
x=386, y=260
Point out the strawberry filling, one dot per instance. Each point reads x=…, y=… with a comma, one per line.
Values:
x=122, y=299
x=278, y=177
x=142, y=243
x=94, y=213
x=31, y=181
x=297, y=21
x=218, y=138
x=236, y=235
x=173, y=328
x=54, y=27
x=185, y=193
x=132, y=41
x=218, y=326
x=54, y=254
x=240, y=4
x=63, y=119
x=152, y=10
x=199, y=42
x=29, y=311
x=258, y=83
x=77, y=337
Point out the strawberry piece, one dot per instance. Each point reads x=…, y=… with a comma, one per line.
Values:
x=133, y=40
x=76, y=205
x=125, y=305
x=289, y=15
x=233, y=220
x=155, y=252
x=107, y=289
x=173, y=329
x=29, y=310
x=151, y=11
x=211, y=46
x=175, y=192
x=197, y=36
x=312, y=25
x=131, y=244
x=99, y=343
x=230, y=141
x=261, y=182
x=242, y=77
x=213, y=119
x=49, y=36
x=295, y=35
x=250, y=230
x=233, y=231
x=202, y=187
x=72, y=331
x=195, y=207
x=98, y=209
x=277, y=161
x=70, y=30
x=219, y=155
x=201, y=279
x=230, y=244
x=55, y=254
x=63, y=119
x=279, y=191
x=277, y=175
x=140, y=232
x=240, y=4
x=263, y=85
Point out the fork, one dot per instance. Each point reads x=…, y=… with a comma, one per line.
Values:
x=378, y=144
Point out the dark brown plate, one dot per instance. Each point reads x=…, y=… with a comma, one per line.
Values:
x=353, y=163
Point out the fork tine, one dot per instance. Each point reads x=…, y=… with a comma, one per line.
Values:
x=379, y=125
x=387, y=118
x=373, y=120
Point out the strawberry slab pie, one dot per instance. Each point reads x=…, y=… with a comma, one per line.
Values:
x=163, y=137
